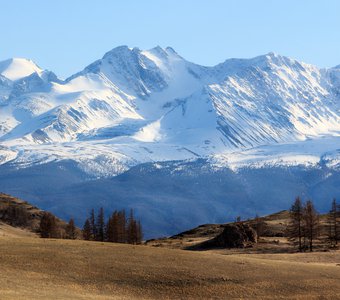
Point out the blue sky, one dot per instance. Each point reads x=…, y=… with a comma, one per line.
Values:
x=66, y=35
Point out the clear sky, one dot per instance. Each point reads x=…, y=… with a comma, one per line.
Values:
x=66, y=35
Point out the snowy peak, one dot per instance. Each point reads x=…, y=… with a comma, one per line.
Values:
x=137, y=72
x=270, y=63
x=18, y=68
x=162, y=54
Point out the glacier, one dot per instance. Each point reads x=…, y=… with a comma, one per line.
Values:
x=135, y=110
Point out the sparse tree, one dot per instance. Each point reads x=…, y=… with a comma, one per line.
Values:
x=71, y=230
x=139, y=233
x=311, y=218
x=333, y=226
x=92, y=221
x=109, y=230
x=121, y=227
x=295, y=227
x=87, y=230
x=112, y=228
x=100, y=226
x=131, y=229
x=134, y=230
x=48, y=226
x=259, y=226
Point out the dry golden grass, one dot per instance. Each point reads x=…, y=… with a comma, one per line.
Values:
x=34, y=268
x=13, y=232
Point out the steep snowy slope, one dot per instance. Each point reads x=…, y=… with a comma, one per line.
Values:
x=5, y=88
x=129, y=69
x=273, y=99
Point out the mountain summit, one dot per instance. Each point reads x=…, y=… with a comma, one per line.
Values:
x=18, y=68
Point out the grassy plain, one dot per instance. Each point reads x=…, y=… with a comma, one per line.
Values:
x=33, y=268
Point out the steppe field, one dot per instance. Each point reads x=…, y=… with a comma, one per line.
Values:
x=33, y=268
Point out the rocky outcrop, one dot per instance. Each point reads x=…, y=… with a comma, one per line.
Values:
x=236, y=235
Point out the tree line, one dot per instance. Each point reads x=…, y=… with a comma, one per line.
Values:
x=51, y=227
x=304, y=225
x=119, y=228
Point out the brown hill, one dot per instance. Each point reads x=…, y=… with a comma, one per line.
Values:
x=272, y=234
x=19, y=218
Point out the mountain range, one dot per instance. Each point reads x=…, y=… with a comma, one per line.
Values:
x=181, y=143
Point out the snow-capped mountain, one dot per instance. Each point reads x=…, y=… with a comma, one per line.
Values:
x=135, y=107
x=164, y=107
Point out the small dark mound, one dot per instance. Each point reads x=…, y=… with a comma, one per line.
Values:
x=233, y=236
